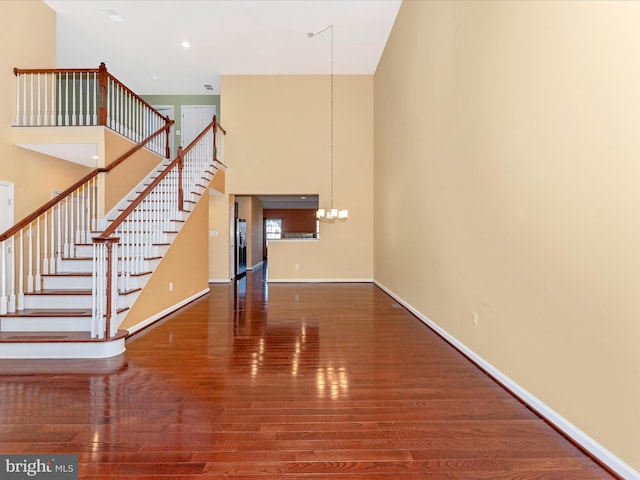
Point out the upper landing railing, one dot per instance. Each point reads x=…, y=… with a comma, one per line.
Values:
x=86, y=97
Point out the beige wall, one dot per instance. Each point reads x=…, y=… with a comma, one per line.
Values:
x=220, y=235
x=124, y=177
x=255, y=234
x=35, y=175
x=507, y=183
x=182, y=266
x=279, y=130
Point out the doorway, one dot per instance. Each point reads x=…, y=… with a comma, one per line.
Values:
x=240, y=234
x=193, y=120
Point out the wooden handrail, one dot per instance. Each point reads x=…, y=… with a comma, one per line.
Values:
x=110, y=230
x=213, y=125
x=17, y=71
x=106, y=236
x=124, y=156
x=107, y=232
x=35, y=214
x=132, y=93
x=60, y=197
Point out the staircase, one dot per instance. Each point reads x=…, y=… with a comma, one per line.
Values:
x=69, y=276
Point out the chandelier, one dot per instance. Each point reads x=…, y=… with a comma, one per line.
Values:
x=331, y=215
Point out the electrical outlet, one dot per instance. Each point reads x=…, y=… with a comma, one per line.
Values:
x=474, y=319
x=297, y=267
x=171, y=286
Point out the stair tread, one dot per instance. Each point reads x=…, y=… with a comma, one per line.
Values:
x=130, y=291
x=61, y=291
x=41, y=337
x=141, y=274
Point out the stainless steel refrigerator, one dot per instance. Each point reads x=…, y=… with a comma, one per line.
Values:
x=241, y=247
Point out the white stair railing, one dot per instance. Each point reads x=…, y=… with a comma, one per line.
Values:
x=126, y=247
x=37, y=244
x=85, y=97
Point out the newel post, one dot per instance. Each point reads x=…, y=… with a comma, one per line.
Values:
x=102, y=82
x=167, y=133
x=215, y=138
x=104, y=285
x=110, y=307
x=180, y=191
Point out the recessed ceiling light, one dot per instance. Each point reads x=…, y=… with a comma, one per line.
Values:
x=185, y=44
x=154, y=78
x=113, y=15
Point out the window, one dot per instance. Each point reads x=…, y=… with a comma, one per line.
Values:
x=273, y=228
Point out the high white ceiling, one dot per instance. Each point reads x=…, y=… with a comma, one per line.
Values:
x=144, y=50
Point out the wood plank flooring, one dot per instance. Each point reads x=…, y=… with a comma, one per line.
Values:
x=295, y=381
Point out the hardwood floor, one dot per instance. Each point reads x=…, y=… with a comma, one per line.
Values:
x=291, y=381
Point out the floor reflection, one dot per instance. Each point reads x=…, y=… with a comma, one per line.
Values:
x=264, y=343
x=237, y=341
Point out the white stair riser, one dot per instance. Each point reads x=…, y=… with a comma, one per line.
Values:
x=46, y=324
x=148, y=227
x=157, y=223
x=168, y=196
x=166, y=191
x=162, y=213
x=76, y=266
x=85, y=251
x=43, y=301
x=64, y=282
x=163, y=237
x=86, y=266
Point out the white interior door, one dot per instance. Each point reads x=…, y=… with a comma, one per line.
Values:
x=6, y=222
x=194, y=118
x=6, y=205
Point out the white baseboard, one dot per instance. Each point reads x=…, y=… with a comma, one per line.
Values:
x=585, y=441
x=165, y=312
x=219, y=280
x=320, y=280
